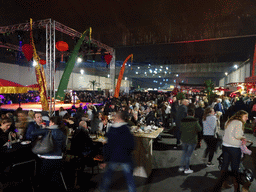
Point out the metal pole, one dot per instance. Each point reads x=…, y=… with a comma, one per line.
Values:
x=113, y=72
x=50, y=38
x=54, y=67
x=47, y=57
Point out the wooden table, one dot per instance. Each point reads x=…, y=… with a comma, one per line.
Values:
x=100, y=140
x=143, y=153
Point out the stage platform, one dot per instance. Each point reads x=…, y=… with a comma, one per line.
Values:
x=38, y=106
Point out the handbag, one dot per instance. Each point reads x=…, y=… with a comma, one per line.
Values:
x=44, y=145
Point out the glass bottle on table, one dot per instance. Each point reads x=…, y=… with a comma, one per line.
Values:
x=9, y=144
x=20, y=137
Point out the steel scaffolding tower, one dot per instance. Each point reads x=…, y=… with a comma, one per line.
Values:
x=50, y=61
x=51, y=26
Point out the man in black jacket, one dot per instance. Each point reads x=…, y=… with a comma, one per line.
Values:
x=81, y=143
x=174, y=109
x=118, y=152
x=151, y=117
x=199, y=112
x=32, y=126
x=112, y=108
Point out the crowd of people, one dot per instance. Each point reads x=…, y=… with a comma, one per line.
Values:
x=70, y=97
x=194, y=119
x=200, y=120
x=18, y=98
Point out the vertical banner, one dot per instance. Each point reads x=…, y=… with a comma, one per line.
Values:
x=120, y=77
x=70, y=65
x=40, y=75
x=254, y=62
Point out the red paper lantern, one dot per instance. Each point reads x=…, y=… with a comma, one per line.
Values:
x=62, y=46
x=108, y=58
x=27, y=49
x=42, y=61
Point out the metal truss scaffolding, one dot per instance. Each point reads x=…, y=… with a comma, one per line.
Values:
x=50, y=60
x=51, y=26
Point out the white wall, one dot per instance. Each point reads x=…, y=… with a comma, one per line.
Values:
x=222, y=82
x=237, y=76
x=26, y=76
x=17, y=74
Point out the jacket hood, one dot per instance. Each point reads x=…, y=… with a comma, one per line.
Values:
x=189, y=119
x=117, y=125
x=53, y=127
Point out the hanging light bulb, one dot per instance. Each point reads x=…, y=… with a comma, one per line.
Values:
x=34, y=63
x=79, y=60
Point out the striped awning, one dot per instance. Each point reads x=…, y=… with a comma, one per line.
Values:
x=9, y=87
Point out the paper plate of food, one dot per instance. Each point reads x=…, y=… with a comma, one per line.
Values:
x=93, y=136
x=25, y=142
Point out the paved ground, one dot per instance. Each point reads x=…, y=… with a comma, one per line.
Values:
x=165, y=176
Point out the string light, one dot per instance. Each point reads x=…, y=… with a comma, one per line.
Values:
x=34, y=63
x=79, y=60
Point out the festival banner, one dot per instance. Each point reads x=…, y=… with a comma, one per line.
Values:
x=254, y=62
x=40, y=75
x=70, y=65
x=118, y=85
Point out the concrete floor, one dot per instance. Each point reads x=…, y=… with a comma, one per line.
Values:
x=165, y=175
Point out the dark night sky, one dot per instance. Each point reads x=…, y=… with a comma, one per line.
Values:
x=104, y=16
x=121, y=14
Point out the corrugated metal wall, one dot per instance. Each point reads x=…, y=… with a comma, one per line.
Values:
x=237, y=76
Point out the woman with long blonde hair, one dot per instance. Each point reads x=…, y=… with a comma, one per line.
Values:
x=232, y=141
